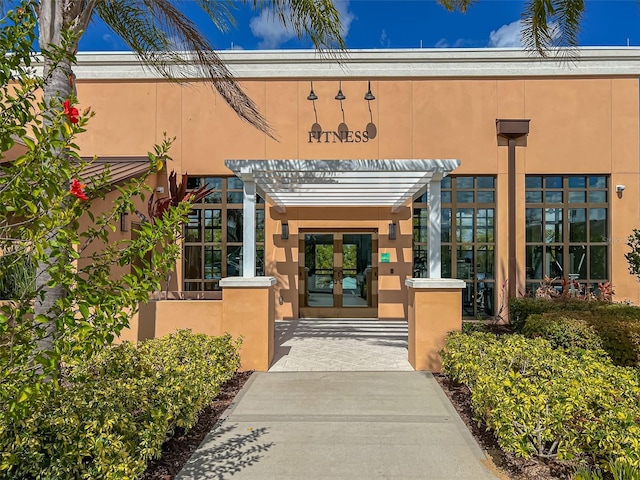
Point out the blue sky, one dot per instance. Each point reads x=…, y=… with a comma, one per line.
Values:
x=408, y=24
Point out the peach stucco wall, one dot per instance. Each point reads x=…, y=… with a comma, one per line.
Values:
x=246, y=313
x=433, y=313
x=578, y=125
x=249, y=313
x=163, y=317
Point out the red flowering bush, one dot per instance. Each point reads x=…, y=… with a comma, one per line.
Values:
x=70, y=112
x=81, y=306
x=77, y=190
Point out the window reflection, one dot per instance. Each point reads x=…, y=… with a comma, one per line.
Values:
x=468, y=239
x=566, y=242
x=213, y=234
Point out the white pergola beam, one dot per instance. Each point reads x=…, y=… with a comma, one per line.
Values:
x=408, y=194
x=376, y=166
x=390, y=183
x=330, y=176
x=341, y=183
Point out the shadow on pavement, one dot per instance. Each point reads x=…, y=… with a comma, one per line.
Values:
x=223, y=454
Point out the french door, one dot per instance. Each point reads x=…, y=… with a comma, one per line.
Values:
x=338, y=274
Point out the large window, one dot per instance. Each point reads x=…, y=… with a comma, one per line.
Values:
x=566, y=229
x=213, y=235
x=467, y=236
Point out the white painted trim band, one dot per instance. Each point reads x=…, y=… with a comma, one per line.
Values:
x=384, y=63
x=240, y=282
x=435, y=283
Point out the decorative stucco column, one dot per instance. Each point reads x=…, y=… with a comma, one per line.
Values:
x=248, y=310
x=434, y=205
x=435, y=309
x=249, y=227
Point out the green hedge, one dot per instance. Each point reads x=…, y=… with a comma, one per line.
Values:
x=617, y=471
x=620, y=336
x=520, y=308
x=612, y=328
x=542, y=401
x=112, y=414
x=562, y=331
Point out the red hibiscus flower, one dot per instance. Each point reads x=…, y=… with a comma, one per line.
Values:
x=70, y=112
x=76, y=190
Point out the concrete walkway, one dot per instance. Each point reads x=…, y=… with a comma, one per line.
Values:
x=339, y=425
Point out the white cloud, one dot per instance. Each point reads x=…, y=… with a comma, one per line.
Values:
x=346, y=16
x=510, y=35
x=273, y=33
x=442, y=43
x=385, y=41
x=270, y=30
x=506, y=36
x=236, y=47
x=111, y=40
x=459, y=43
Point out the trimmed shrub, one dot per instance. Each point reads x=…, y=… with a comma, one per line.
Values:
x=562, y=331
x=521, y=308
x=572, y=323
x=623, y=471
x=618, y=333
x=541, y=401
x=620, y=336
x=618, y=471
x=621, y=310
x=113, y=413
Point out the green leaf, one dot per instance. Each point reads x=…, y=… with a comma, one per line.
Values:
x=28, y=142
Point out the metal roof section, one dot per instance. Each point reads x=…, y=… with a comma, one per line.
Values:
x=341, y=183
x=121, y=169
x=382, y=63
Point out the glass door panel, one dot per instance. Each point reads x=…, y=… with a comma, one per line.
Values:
x=356, y=270
x=337, y=275
x=319, y=268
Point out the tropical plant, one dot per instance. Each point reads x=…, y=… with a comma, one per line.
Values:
x=633, y=257
x=16, y=276
x=42, y=200
x=164, y=38
x=546, y=24
x=157, y=208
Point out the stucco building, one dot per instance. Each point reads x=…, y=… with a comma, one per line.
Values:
x=489, y=166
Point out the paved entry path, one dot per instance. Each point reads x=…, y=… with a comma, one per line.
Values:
x=340, y=344
x=339, y=425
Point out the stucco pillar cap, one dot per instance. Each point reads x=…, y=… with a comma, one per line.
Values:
x=240, y=282
x=435, y=283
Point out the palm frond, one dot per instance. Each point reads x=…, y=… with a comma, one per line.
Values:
x=171, y=44
x=220, y=12
x=459, y=5
x=547, y=24
x=131, y=22
x=319, y=20
x=569, y=19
